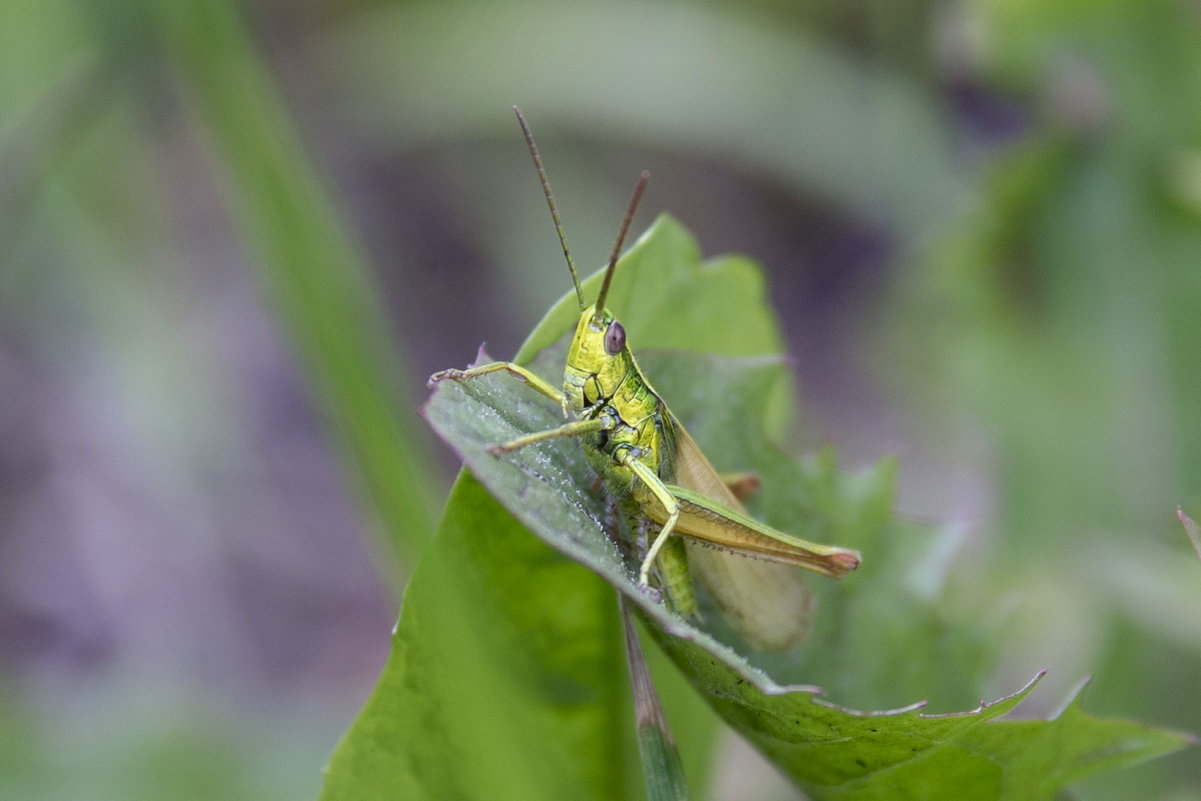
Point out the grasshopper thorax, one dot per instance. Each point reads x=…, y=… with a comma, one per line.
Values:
x=598, y=360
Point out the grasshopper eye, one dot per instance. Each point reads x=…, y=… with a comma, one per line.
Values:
x=615, y=339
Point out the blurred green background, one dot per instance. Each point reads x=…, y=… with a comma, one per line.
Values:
x=236, y=237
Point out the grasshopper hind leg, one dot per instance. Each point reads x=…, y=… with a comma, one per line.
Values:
x=674, y=579
x=670, y=575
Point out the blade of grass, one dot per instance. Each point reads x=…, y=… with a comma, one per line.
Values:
x=33, y=142
x=661, y=765
x=313, y=274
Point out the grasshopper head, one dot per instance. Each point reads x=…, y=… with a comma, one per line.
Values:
x=598, y=359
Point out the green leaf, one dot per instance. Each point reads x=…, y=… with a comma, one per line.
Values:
x=522, y=616
x=504, y=681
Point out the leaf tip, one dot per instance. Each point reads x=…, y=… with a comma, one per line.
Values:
x=1191, y=528
x=1074, y=696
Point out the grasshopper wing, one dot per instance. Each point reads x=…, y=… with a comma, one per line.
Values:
x=768, y=602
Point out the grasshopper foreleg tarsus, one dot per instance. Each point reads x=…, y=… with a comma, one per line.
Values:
x=515, y=370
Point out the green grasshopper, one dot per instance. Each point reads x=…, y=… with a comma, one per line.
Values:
x=659, y=479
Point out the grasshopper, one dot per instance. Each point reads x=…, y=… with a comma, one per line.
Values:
x=658, y=477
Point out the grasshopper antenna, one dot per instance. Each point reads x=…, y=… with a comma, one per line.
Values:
x=550, y=201
x=621, y=237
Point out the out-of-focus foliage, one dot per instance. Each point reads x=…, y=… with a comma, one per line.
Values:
x=1060, y=311
x=981, y=221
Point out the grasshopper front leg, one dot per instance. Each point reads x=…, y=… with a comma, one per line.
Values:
x=572, y=429
x=515, y=370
